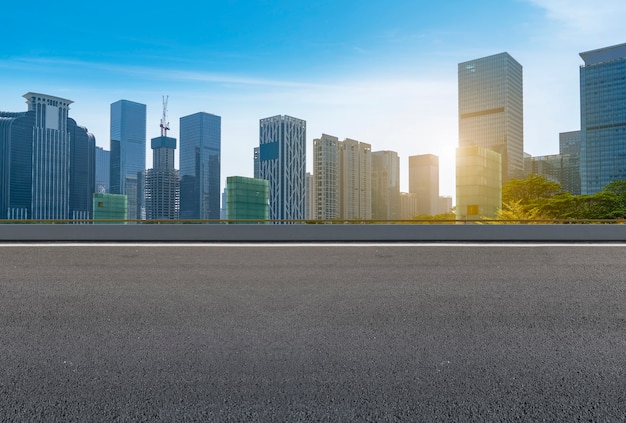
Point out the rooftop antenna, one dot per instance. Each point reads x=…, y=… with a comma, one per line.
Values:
x=165, y=125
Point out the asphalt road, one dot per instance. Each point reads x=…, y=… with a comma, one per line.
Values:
x=313, y=333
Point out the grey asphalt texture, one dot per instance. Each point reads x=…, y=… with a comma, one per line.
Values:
x=317, y=333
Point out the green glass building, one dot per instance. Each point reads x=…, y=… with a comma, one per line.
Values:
x=478, y=182
x=247, y=198
x=109, y=207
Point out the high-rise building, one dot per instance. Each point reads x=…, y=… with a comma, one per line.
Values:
x=478, y=182
x=200, y=156
x=424, y=183
x=569, y=142
x=128, y=154
x=355, y=179
x=282, y=162
x=162, y=184
x=103, y=170
x=256, y=162
x=46, y=162
x=247, y=198
x=602, y=117
x=491, y=109
x=82, y=170
x=326, y=177
x=408, y=206
x=342, y=172
x=309, y=201
x=563, y=169
x=385, y=185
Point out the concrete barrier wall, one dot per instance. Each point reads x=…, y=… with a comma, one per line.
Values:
x=312, y=233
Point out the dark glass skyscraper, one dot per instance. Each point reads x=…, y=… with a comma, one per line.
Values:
x=82, y=171
x=103, y=170
x=200, y=155
x=47, y=162
x=128, y=154
x=602, y=117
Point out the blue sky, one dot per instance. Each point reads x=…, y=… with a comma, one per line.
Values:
x=379, y=72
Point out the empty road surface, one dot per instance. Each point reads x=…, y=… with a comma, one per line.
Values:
x=207, y=332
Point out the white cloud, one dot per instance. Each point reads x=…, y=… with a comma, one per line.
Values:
x=586, y=18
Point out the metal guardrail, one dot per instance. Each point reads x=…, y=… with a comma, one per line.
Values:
x=315, y=222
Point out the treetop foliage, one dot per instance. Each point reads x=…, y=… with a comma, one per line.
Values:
x=537, y=198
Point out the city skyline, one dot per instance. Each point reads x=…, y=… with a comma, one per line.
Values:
x=386, y=76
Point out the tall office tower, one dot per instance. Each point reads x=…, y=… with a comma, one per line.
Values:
x=563, y=169
x=282, y=162
x=128, y=154
x=385, y=185
x=570, y=142
x=82, y=171
x=103, y=170
x=408, y=206
x=309, y=202
x=569, y=147
x=326, y=177
x=424, y=182
x=491, y=109
x=223, y=210
x=200, y=156
x=43, y=156
x=256, y=162
x=478, y=182
x=162, y=189
x=603, y=117
x=355, y=179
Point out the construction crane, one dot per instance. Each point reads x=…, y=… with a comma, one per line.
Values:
x=165, y=125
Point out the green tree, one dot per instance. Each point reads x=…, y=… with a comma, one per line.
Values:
x=529, y=190
x=515, y=212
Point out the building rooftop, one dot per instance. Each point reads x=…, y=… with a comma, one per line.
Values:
x=605, y=54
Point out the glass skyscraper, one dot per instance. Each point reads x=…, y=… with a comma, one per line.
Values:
x=602, y=117
x=200, y=157
x=478, y=182
x=103, y=169
x=128, y=154
x=47, y=162
x=282, y=161
x=491, y=109
x=82, y=171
